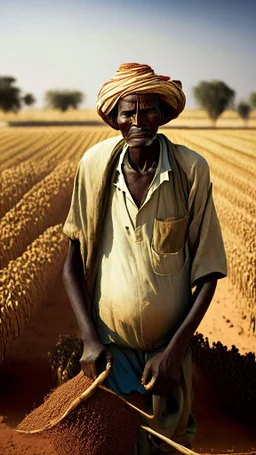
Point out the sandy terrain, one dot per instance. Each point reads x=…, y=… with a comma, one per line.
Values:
x=222, y=321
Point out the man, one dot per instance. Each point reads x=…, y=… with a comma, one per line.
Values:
x=144, y=232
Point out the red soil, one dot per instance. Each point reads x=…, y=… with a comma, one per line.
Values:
x=25, y=378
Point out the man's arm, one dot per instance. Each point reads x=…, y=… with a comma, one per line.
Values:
x=201, y=300
x=73, y=278
x=166, y=366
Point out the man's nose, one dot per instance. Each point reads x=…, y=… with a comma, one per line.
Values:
x=138, y=118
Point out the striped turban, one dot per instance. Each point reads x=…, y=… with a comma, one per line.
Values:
x=132, y=78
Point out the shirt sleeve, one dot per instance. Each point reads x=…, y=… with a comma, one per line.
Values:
x=205, y=238
x=73, y=226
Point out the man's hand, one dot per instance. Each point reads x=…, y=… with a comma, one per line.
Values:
x=94, y=359
x=164, y=370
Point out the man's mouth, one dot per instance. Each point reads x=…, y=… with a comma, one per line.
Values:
x=140, y=131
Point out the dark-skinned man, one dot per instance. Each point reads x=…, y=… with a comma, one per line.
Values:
x=144, y=232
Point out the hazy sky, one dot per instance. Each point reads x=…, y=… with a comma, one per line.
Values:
x=80, y=43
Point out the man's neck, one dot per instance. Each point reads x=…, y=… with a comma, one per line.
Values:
x=144, y=157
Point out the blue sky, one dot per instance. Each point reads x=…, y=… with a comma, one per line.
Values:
x=80, y=43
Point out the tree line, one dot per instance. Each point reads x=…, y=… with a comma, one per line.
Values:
x=212, y=96
x=12, y=99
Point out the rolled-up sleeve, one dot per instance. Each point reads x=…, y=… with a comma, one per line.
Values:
x=205, y=238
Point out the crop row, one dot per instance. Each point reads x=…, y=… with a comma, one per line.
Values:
x=241, y=272
x=36, y=211
x=240, y=146
x=234, y=195
x=229, y=150
x=25, y=148
x=225, y=172
x=62, y=144
x=24, y=283
x=239, y=222
x=233, y=376
x=240, y=243
x=220, y=155
x=15, y=181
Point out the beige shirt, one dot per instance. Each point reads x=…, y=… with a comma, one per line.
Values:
x=149, y=258
x=143, y=285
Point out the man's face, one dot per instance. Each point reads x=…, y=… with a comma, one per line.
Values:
x=138, y=119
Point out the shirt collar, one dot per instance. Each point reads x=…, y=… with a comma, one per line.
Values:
x=121, y=159
x=162, y=170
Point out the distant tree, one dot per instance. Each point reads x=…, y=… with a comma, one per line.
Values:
x=64, y=99
x=244, y=110
x=215, y=97
x=10, y=96
x=29, y=99
x=252, y=99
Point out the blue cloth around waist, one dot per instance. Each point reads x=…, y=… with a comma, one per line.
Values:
x=127, y=369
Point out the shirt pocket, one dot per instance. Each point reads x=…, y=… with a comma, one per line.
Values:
x=168, y=245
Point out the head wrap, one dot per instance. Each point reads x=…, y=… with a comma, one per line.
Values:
x=132, y=78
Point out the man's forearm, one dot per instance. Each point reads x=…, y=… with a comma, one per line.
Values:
x=202, y=298
x=73, y=279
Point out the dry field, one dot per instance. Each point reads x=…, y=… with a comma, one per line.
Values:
x=37, y=167
x=188, y=118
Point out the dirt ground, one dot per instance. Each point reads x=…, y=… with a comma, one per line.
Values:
x=223, y=322
x=25, y=376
